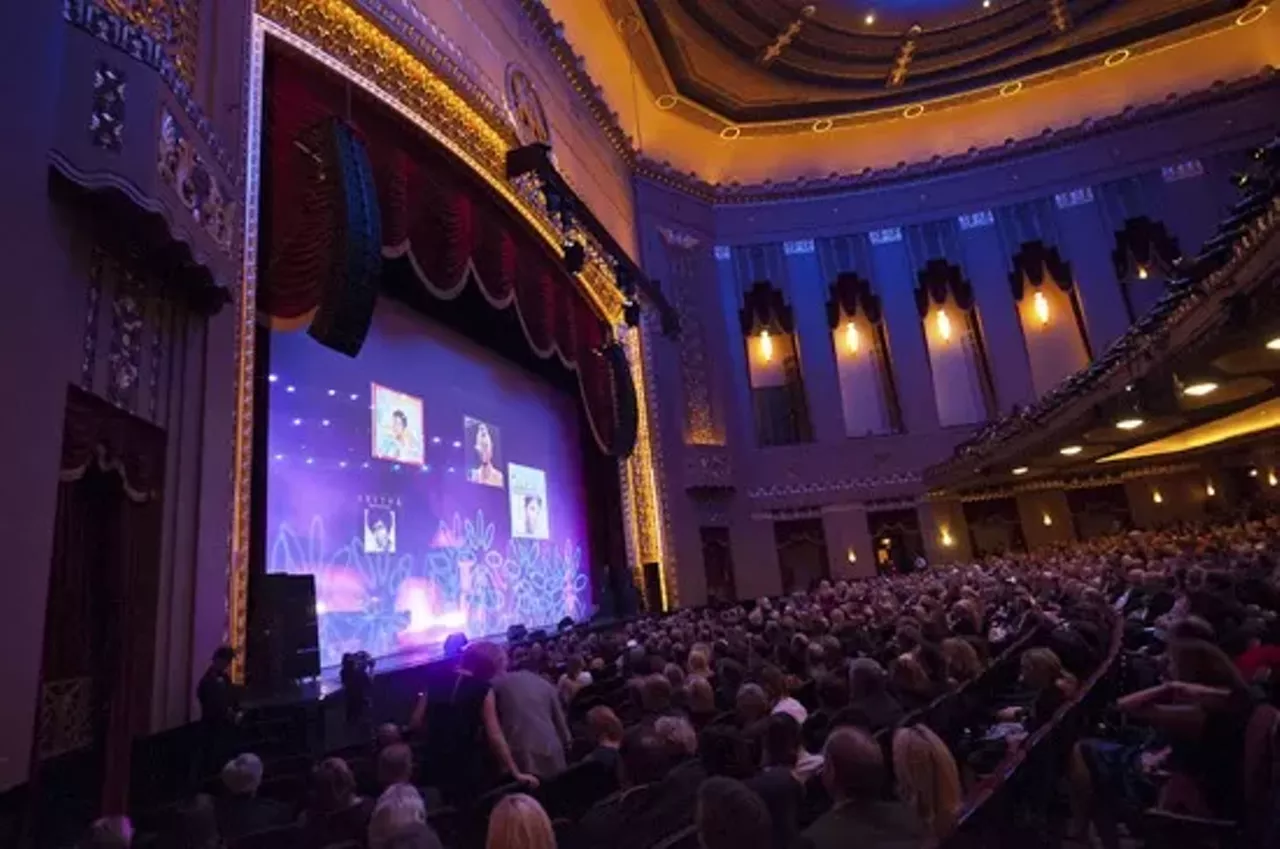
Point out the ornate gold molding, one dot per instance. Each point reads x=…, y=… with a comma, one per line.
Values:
x=174, y=24
x=425, y=90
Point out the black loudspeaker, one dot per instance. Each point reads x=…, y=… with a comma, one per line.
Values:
x=286, y=638
x=454, y=644
x=652, y=589
x=346, y=191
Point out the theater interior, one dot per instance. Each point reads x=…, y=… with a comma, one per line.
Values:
x=378, y=328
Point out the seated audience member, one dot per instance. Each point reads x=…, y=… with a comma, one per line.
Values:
x=778, y=783
x=685, y=769
x=654, y=692
x=240, y=811
x=1255, y=659
x=780, y=700
x=854, y=775
x=195, y=826
x=699, y=663
x=730, y=816
x=400, y=811
x=833, y=697
x=871, y=705
x=109, y=833
x=519, y=822
x=646, y=810
x=962, y=660
x=605, y=730
x=927, y=778
x=386, y=734
x=532, y=720
x=335, y=812
x=725, y=752
x=910, y=683
x=417, y=835
x=575, y=677
x=395, y=766
x=700, y=700
x=1049, y=686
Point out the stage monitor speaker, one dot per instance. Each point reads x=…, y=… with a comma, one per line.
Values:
x=286, y=638
x=652, y=589
x=454, y=644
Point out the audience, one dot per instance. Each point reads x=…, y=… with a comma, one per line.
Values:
x=927, y=778
x=532, y=720
x=400, y=810
x=606, y=732
x=778, y=783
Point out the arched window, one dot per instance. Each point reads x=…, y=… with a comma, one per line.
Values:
x=867, y=393
x=1049, y=312
x=961, y=384
x=1144, y=257
x=773, y=366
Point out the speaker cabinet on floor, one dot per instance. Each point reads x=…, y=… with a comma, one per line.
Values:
x=284, y=640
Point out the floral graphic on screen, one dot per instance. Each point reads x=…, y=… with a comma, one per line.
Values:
x=484, y=461
x=397, y=426
x=382, y=602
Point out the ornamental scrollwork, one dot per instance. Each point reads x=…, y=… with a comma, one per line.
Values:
x=183, y=170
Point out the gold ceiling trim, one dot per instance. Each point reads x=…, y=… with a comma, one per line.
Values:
x=1255, y=419
x=1090, y=481
x=1097, y=63
x=340, y=37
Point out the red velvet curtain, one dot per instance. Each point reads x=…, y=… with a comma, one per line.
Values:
x=99, y=642
x=436, y=213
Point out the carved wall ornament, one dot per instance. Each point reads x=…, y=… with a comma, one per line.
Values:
x=788, y=35
x=723, y=253
x=679, y=238
x=902, y=61
x=798, y=247
x=1186, y=170
x=765, y=307
x=940, y=281
x=183, y=170
x=93, y=294
x=887, y=236
x=1144, y=247
x=174, y=24
x=841, y=485
x=106, y=119
x=65, y=719
x=1073, y=198
x=708, y=468
x=526, y=108
x=976, y=220
x=125, y=360
x=849, y=296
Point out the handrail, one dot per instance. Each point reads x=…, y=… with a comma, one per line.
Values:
x=1007, y=768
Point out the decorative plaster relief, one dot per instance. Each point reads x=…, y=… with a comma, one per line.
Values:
x=976, y=220
x=887, y=236
x=798, y=247
x=723, y=253
x=707, y=468
x=183, y=170
x=1075, y=197
x=1182, y=171
x=843, y=485
x=106, y=121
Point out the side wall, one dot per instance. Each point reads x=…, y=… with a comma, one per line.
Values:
x=1075, y=198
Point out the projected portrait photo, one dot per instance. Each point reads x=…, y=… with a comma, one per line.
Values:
x=484, y=459
x=397, y=426
x=379, y=530
x=528, y=488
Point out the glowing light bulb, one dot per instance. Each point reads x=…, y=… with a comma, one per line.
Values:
x=851, y=556
x=944, y=325
x=1271, y=479
x=1048, y=520
x=1273, y=344
x=1157, y=497
x=1199, y=390
x=766, y=346
x=1070, y=450
x=1041, y=306
x=1143, y=274
x=946, y=538
x=851, y=337
x=1020, y=470
x=869, y=19
x=1209, y=490
x=1130, y=423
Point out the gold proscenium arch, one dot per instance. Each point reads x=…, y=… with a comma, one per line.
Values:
x=341, y=38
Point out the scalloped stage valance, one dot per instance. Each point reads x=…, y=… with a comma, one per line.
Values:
x=938, y=281
x=416, y=203
x=851, y=295
x=1034, y=263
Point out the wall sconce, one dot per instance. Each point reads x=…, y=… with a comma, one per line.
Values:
x=946, y=539
x=1253, y=473
x=851, y=555
x=1048, y=520
x=944, y=325
x=1271, y=478
x=1156, y=496
x=1143, y=274
x=1041, y=306
x=851, y=337
x=766, y=346
x=886, y=541
x=1209, y=490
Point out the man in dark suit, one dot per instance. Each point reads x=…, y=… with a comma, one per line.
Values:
x=777, y=784
x=854, y=774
